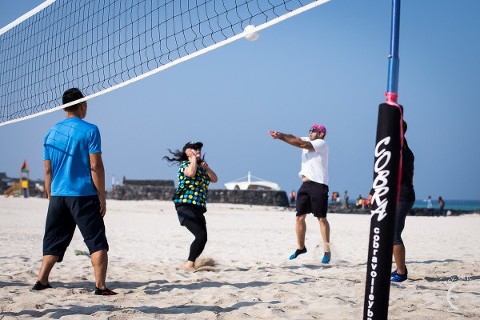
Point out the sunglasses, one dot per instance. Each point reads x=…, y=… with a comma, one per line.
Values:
x=312, y=130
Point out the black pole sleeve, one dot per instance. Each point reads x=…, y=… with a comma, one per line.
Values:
x=384, y=203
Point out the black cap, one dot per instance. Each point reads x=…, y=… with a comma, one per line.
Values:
x=193, y=145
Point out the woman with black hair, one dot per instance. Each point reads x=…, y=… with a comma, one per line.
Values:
x=190, y=198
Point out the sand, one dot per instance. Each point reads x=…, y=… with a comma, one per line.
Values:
x=252, y=277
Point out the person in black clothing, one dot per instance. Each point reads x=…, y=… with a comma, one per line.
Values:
x=404, y=205
x=441, y=206
x=190, y=198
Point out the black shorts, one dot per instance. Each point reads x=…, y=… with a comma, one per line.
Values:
x=64, y=213
x=403, y=208
x=191, y=212
x=312, y=197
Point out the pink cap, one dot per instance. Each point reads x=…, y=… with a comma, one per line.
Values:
x=319, y=128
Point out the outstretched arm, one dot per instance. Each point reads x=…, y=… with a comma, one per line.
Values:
x=292, y=140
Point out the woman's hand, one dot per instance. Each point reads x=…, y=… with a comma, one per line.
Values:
x=191, y=170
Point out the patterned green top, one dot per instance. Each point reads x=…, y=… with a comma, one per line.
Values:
x=192, y=190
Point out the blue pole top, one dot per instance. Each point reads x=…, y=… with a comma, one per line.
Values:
x=393, y=58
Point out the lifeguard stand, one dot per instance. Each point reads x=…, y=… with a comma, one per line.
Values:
x=24, y=179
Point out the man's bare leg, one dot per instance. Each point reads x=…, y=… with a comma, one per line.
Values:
x=48, y=262
x=399, y=256
x=301, y=229
x=325, y=232
x=100, y=263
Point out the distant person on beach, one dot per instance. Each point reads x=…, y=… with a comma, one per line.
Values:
x=359, y=202
x=334, y=197
x=191, y=195
x=293, y=197
x=429, y=205
x=75, y=187
x=345, y=199
x=404, y=205
x=312, y=197
x=441, y=207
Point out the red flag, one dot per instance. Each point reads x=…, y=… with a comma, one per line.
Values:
x=24, y=167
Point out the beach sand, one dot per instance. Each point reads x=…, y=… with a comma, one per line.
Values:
x=252, y=277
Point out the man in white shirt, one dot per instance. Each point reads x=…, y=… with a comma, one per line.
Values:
x=312, y=197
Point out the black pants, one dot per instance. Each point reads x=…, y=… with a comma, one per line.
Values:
x=199, y=230
x=64, y=214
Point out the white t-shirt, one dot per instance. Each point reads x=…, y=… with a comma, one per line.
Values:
x=315, y=163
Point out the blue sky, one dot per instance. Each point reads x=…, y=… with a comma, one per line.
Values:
x=329, y=66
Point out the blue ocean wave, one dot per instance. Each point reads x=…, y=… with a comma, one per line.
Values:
x=451, y=204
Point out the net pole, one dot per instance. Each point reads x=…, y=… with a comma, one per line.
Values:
x=393, y=57
x=386, y=180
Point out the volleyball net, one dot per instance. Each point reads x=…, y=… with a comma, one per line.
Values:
x=102, y=45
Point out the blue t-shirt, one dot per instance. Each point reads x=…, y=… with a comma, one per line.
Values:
x=68, y=145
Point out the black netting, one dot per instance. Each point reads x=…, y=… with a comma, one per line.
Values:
x=97, y=44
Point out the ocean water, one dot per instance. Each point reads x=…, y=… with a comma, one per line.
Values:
x=451, y=204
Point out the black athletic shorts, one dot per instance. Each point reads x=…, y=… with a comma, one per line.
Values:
x=312, y=197
x=403, y=208
x=191, y=212
x=64, y=213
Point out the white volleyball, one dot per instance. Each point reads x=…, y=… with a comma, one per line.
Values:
x=251, y=35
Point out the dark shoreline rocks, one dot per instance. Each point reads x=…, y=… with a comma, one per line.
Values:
x=252, y=197
x=164, y=190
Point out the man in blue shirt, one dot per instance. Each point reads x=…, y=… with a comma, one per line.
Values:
x=75, y=186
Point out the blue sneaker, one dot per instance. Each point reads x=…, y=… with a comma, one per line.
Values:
x=399, y=277
x=326, y=257
x=297, y=253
